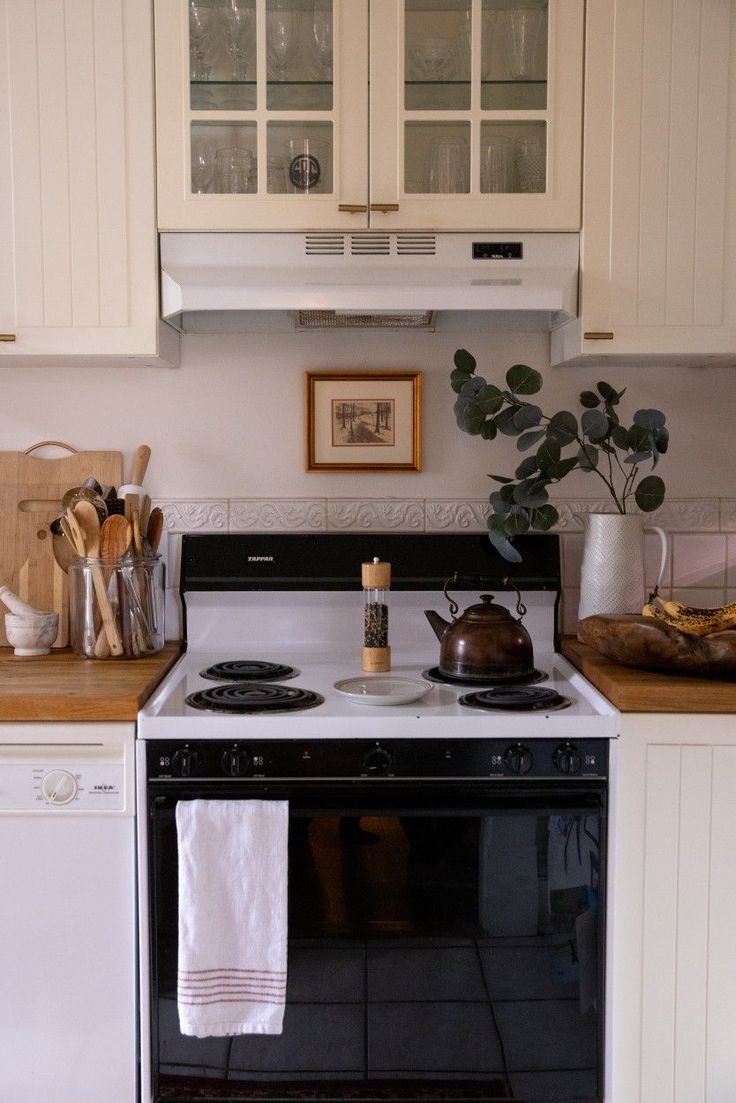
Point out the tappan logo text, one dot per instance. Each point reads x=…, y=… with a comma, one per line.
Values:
x=260, y=559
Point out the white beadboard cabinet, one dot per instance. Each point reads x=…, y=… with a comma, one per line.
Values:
x=658, y=248
x=672, y=886
x=78, y=246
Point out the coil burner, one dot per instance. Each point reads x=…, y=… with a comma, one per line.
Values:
x=248, y=670
x=244, y=697
x=516, y=699
x=434, y=674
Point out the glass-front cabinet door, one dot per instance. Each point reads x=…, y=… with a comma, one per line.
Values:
x=333, y=114
x=484, y=98
x=262, y=113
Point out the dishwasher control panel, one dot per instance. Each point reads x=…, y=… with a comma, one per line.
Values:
x=32, y=783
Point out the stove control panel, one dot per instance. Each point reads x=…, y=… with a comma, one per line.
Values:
x=385, y=759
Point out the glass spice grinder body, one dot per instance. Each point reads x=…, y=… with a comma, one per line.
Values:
x=376, y=577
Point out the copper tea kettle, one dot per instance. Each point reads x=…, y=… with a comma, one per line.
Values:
x=486, y=642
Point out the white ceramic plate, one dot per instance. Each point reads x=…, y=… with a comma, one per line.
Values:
x=379, y=689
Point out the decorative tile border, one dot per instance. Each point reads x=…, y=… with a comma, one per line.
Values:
x=281, y=515
x=375, y=515
x=454, y=516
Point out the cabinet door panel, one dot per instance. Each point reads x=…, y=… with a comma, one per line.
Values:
x=77, y=190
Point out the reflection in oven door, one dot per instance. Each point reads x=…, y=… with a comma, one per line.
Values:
x=442, y=945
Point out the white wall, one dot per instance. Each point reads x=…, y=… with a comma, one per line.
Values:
x=227, y=428
x=230, y=421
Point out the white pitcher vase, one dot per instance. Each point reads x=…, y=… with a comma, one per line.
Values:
x=612, y=572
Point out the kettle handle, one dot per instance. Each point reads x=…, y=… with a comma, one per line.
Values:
x=454, y=607
x=482, y=581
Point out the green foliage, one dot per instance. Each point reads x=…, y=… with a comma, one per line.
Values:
x=598, y=442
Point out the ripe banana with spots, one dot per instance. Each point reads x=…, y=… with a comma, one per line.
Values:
x=689, y=618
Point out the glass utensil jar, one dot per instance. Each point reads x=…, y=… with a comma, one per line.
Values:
x=122, y=598
x=376, y=578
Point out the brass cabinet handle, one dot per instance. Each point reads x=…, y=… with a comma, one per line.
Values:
x=353, y=208
x=594, y=335
x=385, y=208
x=7, y=336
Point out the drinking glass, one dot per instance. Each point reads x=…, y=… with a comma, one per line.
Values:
x=234, y=170
x=322, y=39
x=282, y=36
x=522, y=31
x=200, y=39
x=202, y=168
x=448, y=164
x=276, y=175
x=238, y=22
x=306, y=165
x=498, y=165
x=531, y=163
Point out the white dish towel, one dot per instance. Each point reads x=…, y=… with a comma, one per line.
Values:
x=233, y=868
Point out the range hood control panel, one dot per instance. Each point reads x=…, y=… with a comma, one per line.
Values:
x=498, y=250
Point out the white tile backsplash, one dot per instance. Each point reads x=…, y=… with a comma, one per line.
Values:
x=698, y=559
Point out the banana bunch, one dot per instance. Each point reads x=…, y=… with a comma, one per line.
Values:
x=688, y=618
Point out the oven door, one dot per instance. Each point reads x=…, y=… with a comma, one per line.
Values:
x=445, y=942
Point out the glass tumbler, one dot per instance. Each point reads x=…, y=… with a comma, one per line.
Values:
x=531, y=165
x=121, y=599
x=234, y=170
x=306, y=165
x=448, y=165
x=498, y=166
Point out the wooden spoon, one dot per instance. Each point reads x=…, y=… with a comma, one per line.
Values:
x=155, y=528
x=114, y=542
x=89, y=523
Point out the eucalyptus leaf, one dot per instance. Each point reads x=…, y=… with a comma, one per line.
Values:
x=531, y=493
x=594, y=424
x=505, y=421
x=526, y=416
x=558, y=470
x=588, y=458
x=489, y=398
x=500, y=478
x=544, y=518
x=637, y=457
x=504, y=547
x=527, y=467
x=527, y=440
x=488, y=430
x=589, y=399
x=652, y=420
x=563, y=427
x=473, y=419
x=649, y=494
x=620, y=438
x=465, y=361
x=548, y=453
x=473, y=387
x=522, y=379
x=498, y=505
x=609, y=394
x=516, y=522
x=662, y=440
x=458, y=378
x=637, y=438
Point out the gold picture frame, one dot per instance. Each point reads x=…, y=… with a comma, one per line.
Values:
x=363, y=421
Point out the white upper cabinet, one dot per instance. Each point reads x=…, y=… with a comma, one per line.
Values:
x=658, y=248
x=323, y=114
x=78, y=261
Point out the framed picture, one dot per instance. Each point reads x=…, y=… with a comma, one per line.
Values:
x=363, y=421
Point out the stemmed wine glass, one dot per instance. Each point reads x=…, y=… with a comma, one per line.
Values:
x=200, y=26
x=282, y=29
x=238, y=19
x=322, y=38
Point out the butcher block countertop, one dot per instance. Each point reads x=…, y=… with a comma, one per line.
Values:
x=633, y=690
x=62, y=686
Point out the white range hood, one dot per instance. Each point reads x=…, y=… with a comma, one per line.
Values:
x=213, y=282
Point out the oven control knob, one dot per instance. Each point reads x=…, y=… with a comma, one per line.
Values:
x=566, y=758
x=185, y=762
x=59, y=787
x=235, y=762
x=377, y=763
x=518, y=758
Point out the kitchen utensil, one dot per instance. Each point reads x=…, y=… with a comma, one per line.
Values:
x=63, y=550
x=31, y=633
x=141, y=458
x=89, y=523
x=381, y=690
x=376, y=579
x=115, y=537
x=485, y=641
x=31, y=489
x=87, y=494
x=16, y=604
x=135, y=594
x=155, y=528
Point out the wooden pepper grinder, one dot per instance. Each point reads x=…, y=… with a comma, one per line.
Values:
x=376, y=582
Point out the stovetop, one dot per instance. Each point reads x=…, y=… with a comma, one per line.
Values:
x=437, y=714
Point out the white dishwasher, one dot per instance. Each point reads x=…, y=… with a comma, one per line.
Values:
x=67, y=913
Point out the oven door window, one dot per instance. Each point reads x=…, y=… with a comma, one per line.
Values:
x=434, y=952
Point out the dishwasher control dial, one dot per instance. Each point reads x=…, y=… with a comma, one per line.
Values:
x=185, y=762
x=518, y=758
x=377, y=763
x=59, y=787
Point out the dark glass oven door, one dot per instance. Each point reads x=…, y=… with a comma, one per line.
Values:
x=445, y=942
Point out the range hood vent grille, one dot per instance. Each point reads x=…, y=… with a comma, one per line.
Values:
x=368, y=244
x=336, y=319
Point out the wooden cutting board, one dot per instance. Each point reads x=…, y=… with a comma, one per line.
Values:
x=31, y=489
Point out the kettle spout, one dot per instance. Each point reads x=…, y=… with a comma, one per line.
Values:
x=439, y=624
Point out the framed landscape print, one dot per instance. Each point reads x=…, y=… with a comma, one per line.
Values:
x=363, y=421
